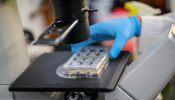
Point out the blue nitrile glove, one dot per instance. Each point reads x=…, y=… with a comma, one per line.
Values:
x=121, y=30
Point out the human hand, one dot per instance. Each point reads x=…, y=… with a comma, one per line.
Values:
x=121, y=30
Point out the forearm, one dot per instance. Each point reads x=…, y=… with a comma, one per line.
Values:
x=153, y=27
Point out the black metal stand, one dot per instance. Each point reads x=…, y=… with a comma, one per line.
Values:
x=41, y=77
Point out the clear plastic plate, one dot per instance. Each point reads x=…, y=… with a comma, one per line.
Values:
x=88, y=62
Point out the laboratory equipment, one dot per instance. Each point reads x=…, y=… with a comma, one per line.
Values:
x=41, y=76
x=140, y=80
x=71, y=23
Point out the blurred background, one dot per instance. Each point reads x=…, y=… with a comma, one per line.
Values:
x=37, y=15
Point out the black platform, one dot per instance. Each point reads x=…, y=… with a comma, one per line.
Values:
x=41, y=76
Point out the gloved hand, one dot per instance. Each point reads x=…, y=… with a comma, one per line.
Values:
x=121, y=30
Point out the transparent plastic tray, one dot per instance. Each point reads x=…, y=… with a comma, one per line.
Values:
x=88, y=62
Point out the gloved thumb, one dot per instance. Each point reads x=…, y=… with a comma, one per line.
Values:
x=117, y=46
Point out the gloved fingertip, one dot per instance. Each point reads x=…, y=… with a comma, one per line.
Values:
x=114, y=54
x=74, y=48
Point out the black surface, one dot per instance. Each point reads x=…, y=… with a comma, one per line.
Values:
x=41, y=76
